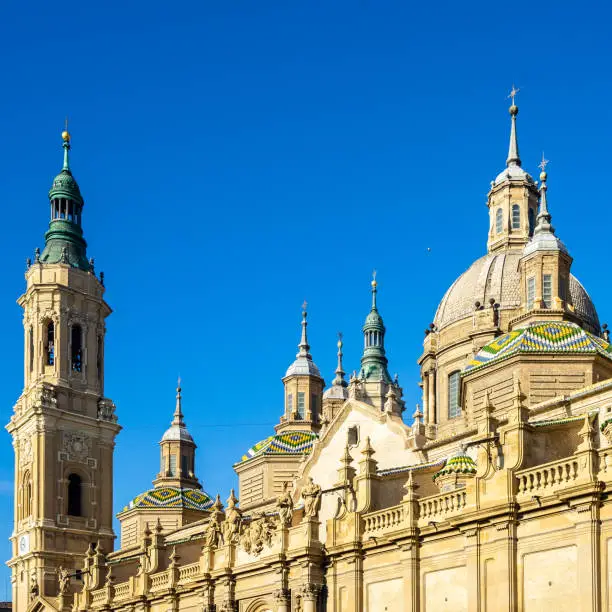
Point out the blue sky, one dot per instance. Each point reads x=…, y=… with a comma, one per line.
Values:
x=239, y=157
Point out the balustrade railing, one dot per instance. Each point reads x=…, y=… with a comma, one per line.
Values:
x=188, y=572
x=384, y=520
x=548, y=477
x=159, y=581
x=443, y=505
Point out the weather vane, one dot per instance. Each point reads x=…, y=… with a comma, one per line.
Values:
x=340, y=336
x=374, y=274
x=542, y=165
x=513, y=93
x=304, y=305
x=66, y=123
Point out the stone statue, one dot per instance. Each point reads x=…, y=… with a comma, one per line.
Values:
x=233, y=520
x=63, y=577
x=34, y=588
x=213, y=532
x=311, y=494
x=285, y=506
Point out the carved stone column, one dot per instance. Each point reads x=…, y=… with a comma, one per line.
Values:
x=282, y=599
x=310, y=596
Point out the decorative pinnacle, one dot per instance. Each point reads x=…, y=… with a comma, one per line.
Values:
x=374, y=285
x=178, y=413
x=513, y=150
x=66, y=145
x=303, y=345
x=339, y=380
x=543, y=224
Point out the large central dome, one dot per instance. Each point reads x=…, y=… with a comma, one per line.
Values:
x=497, y=276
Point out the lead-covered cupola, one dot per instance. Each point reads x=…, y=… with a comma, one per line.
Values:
x=64, y=242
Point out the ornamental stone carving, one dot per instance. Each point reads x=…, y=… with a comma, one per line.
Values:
x=106, y=410
x=25, y=451
x=233, y=520
x=76, y=445
x=44, y=397
x=257, y=534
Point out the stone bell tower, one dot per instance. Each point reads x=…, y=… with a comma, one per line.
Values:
x=63, y=428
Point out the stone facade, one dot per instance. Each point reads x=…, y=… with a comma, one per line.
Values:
x=494, y=498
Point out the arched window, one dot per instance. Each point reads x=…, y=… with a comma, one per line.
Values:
x=499, y=221
x=76, y=343
x=50, y=344
x=531, y=215
x=454, y=394
x=99, y=359
x=26, y=493
x=31, y=347
x=75, y=495
x=516, y=216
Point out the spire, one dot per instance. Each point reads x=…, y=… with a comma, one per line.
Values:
x=513, y=149
x=303, y=345
x=66, y=145
x=374, y=285
x=544, y=217
x=303, y=364
x=339, y=380
x=178, y=412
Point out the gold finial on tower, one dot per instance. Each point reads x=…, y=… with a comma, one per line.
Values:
x=66, y=133
x=374, y=283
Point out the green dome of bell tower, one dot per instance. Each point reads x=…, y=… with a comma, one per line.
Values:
x=374, y=361
x=64, y=242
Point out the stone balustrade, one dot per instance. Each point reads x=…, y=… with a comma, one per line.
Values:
x=381, y=521
x=160, y=581
x=442, y=506
x=188, y=572
x=122, y=591
x=98, y=597
x=548, y=477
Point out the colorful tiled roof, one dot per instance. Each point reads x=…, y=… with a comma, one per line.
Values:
x=286, y=443
x=539, y=338
x=172, y=497
x=457, y=464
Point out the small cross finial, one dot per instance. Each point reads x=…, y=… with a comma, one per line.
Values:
x=542, y=165
x=178, y=382
x=304, y=306
x=340, y=336
x=66, y=123
x=513, y=93
x=374, y=274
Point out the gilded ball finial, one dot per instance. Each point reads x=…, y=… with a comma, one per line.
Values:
x=543, y=176
x=66, y=136
x=513, y=110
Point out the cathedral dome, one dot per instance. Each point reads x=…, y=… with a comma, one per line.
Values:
x=497, y=276
x=65, y=186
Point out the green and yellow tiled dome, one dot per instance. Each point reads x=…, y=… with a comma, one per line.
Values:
x=172, y=497
x=286, y=443
x=457, y=464
x=546, y=337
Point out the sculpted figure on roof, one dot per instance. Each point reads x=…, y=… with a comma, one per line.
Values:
x=285, y=506
x=312, y=499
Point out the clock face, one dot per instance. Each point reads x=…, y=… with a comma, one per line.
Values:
x=24, y=544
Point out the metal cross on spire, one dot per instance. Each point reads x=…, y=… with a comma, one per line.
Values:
x=513, y=93
x=542, y=165
x=304, y=306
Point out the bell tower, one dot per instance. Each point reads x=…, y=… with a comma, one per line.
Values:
x=63, y=428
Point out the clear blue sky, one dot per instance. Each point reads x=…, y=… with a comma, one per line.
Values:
x=239, y=157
